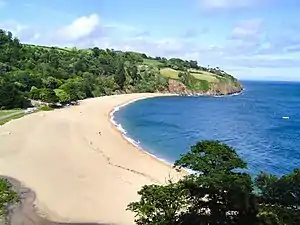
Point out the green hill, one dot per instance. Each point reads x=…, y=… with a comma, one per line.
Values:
x=61, y=75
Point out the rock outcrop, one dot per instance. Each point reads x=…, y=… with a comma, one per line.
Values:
x=224, y=87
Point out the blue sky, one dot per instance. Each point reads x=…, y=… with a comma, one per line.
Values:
x=252, y=39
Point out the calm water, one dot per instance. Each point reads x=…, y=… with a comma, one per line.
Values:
x=252, y=123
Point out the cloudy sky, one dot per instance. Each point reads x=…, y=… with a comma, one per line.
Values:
x=252, y=39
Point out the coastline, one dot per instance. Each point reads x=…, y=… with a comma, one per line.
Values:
x=79, y=175
x=123, y=132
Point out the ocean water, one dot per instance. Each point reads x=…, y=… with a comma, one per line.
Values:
x=251, y=122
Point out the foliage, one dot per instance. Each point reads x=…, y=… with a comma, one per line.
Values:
x=7, y=195
x=281, y=196
x=46, y=108
x=219, y=192
x=193, y=83
x=159, y=204
x=61, y=75
x=11, y=97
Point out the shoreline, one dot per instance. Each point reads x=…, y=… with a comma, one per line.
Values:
x=120, y=129
x=77, y=173
x=123, y=132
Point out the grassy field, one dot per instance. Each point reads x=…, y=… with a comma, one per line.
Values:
x=7, y=119
x=7, y=112
x=152, y=62
x=8, y=115
x=200, y=75
x=168, y=72
x=66, y=49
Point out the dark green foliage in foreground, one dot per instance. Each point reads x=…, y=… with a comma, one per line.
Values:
x=219, y=193
x=281, y=196
x=171, y=198
x=7, y=195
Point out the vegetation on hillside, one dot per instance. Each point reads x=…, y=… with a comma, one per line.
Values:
x=220, y=192
x=62, y=75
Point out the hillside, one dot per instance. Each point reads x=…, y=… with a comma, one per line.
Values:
x=186, y=77
x=61, y=75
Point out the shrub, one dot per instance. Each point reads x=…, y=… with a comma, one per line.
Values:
x=7, y=195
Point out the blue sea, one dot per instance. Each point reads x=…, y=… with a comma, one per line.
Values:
x=254, y=123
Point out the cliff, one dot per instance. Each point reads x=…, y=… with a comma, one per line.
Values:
x=225, y=87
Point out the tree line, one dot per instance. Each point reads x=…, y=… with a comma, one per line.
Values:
x=62, y=75
x=219, y=192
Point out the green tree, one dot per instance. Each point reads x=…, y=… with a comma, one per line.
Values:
x=217, y=187
x=11, y=97
x=35, y=93
x=280, y=196
x=120, y=76
x=215, y=194
x=74, y=89
x=48, y=95
x=63, y=97
x=159, y=205
x=52, y=83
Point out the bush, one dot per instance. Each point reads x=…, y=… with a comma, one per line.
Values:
x=7, y=195
x=46, y=108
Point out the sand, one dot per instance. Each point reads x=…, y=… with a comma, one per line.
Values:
x=79, y=175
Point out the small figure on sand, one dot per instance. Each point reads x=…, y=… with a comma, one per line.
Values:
x=100, y=133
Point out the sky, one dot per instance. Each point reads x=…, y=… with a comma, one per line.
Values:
x=251, y=39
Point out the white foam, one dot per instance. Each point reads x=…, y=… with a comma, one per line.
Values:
x=231, y=95
x=134, y=142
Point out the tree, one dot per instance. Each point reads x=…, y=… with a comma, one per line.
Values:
x=82, y=73
x=48, y=95
x=159, y=205
x=215, y=194
x=63, y=97
x=10, y=96
x=280, y=197
x=52, y=83
x=120, y=76
x=35, y=93
x=133, y=71
x=218, y=188
x=74, y=89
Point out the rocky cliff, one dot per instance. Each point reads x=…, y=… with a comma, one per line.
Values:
x=223, y=87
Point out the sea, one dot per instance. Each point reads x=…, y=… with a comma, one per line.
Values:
x=262, y=124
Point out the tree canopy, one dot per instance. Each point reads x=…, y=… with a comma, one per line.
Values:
x=219, y=192
x=53, y=74
x=60, y=75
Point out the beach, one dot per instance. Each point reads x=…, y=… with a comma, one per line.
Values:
x=77, y=162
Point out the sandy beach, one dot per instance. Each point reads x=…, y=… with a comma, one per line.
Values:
x=78, y=174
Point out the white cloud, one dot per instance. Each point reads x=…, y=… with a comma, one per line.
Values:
x=80, y=28
x=247, y=29
x=14, y=27
x=244, y=52
x=227, y=4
